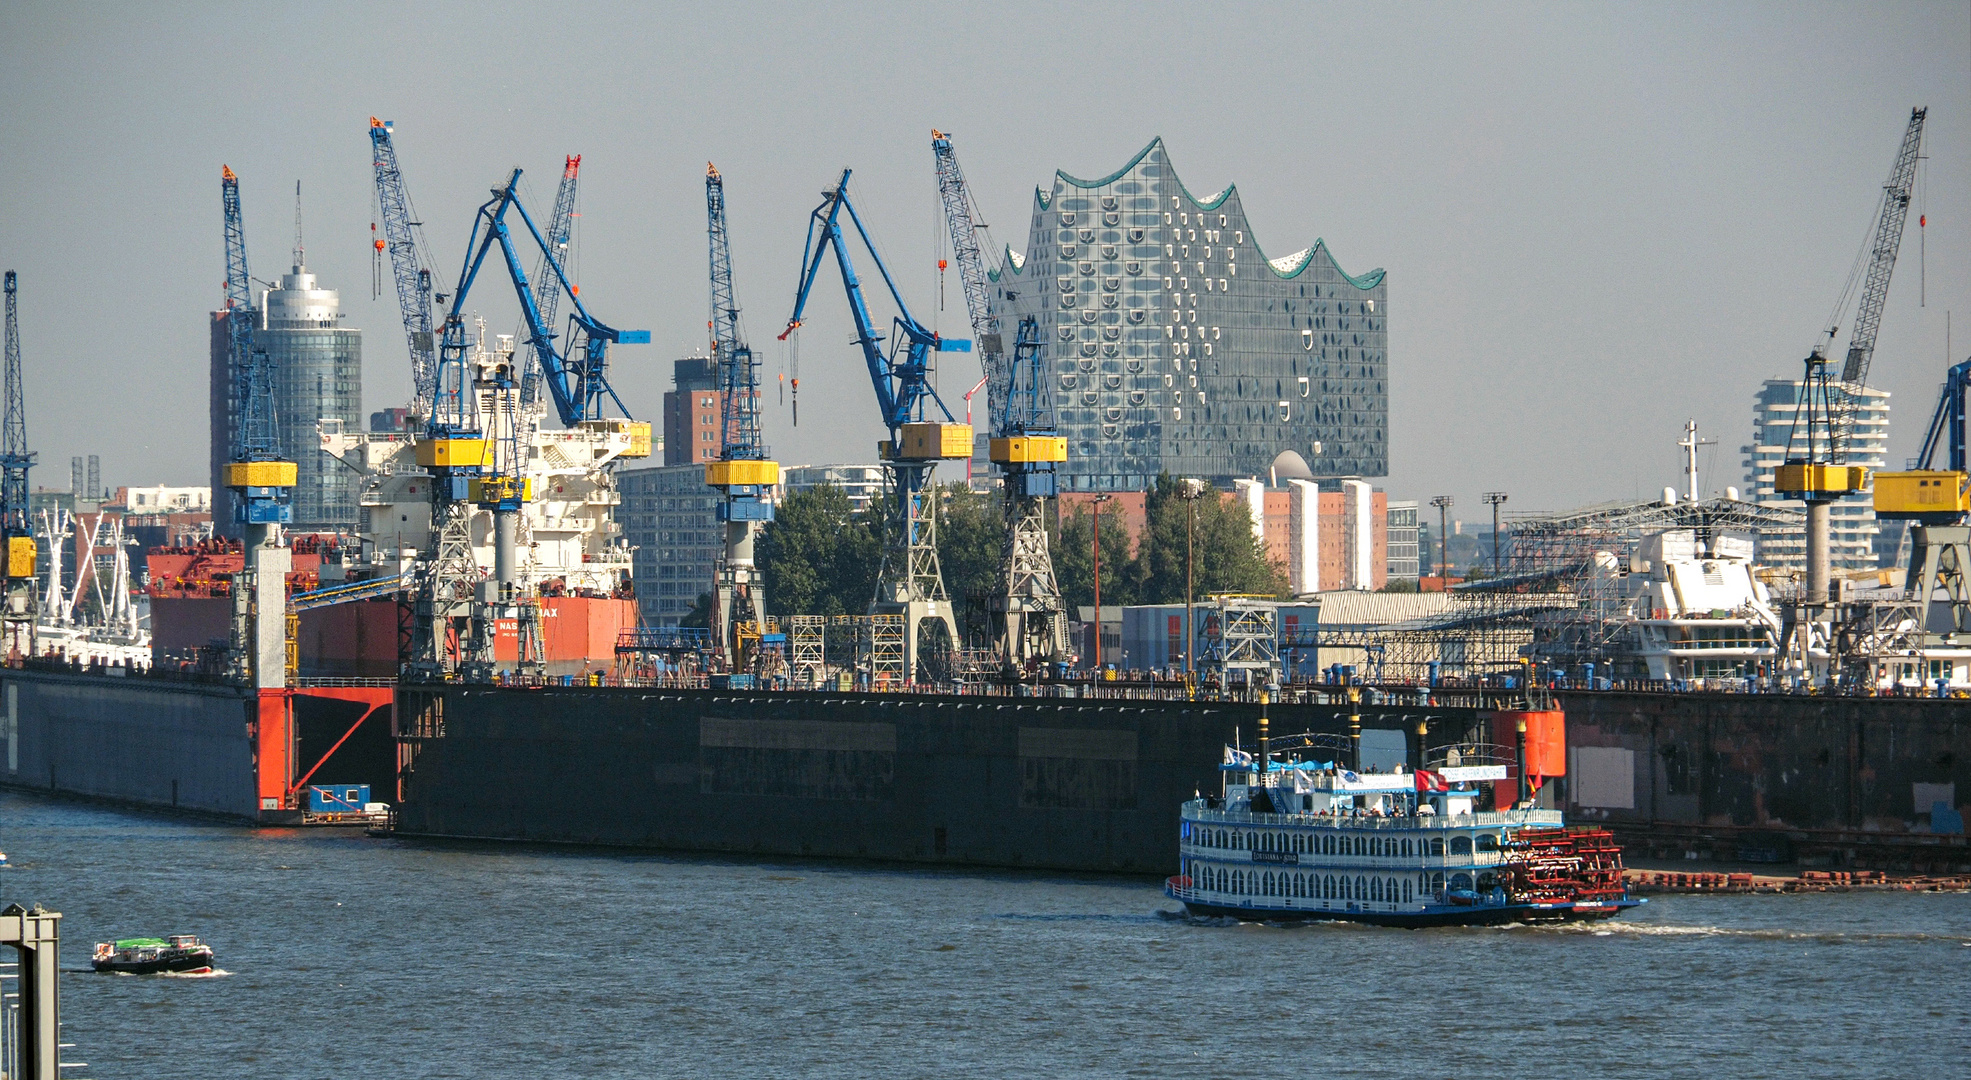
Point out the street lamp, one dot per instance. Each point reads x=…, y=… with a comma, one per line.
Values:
x=1443, y=504
x=1495, y=499
x=1097, y=512
x=1190, y=489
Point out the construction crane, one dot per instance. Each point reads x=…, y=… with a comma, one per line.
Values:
x=1816, y=470
x=22, y=609
x=1937, y=504
x=743, y=473
x=260, y=478
x=561, y=225
x=414, y=284
x=1029, y=617
x=910, y=581
x=472, y=438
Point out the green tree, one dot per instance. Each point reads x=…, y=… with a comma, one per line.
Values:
x=1074, y=558
x=820, y=556
x=971, y=541
x=1226, y=557
x=700, y=615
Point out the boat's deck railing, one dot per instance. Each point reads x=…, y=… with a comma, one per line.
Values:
x=1484, y=819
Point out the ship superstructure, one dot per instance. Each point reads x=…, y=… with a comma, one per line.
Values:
x=569, y=543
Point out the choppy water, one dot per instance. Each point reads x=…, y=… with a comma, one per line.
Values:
x=350, y=956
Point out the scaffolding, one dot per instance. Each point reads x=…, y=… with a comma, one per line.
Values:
x=1242, y=640
x=807, y=641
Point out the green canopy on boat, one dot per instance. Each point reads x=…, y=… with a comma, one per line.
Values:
x=141, y=943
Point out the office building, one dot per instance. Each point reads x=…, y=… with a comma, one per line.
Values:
x=318, y=375
x=1852, y=530
x=670, y=518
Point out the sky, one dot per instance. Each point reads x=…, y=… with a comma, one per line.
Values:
x=1598, y=221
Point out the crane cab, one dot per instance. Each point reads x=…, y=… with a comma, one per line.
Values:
x=1930, y=496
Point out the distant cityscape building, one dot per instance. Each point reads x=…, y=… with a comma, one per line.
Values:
x=671, y=518
x=1405, y=561
x=164, y=500
x=1174, y=344
x=1775, y=414
x=692, y=408
x=318, y=375
x=861, y=483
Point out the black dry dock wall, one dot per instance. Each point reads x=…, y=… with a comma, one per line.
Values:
x=132, y=740
x=1874, y=764
x=1047, y=783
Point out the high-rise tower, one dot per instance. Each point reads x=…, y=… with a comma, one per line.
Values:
x=318, y=375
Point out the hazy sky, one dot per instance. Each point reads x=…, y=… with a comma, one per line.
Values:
x=1597, y=220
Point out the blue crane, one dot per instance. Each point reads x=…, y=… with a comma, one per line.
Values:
x=414, y=286
x=20, y=612
x=910, y=581
x=969, y=245
x=258, y=474
x=1029, y=616
x=578, y=385
x=742, y=472
x=15, y=457
x=902, y=379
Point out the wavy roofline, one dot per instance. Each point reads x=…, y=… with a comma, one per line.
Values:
x=1044, y=199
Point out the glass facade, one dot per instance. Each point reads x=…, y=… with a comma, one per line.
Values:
x=671, y=518
x=1174, y=344
x=318, y=375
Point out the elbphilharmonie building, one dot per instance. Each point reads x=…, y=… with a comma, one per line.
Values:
x=1174, y=343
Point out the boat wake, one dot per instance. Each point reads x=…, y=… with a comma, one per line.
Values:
x=1644, y=930
x=203, y=973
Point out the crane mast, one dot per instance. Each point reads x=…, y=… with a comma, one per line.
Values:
x=1029, y=616
x=561, y=225
x=260, y=480
x=1885, y=242
x=22, y=609
x=743, y=473
x=414, y=286
x=910, y=582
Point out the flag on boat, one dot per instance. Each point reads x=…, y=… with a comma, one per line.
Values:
x=1350, y=777
x=1237, y=757
x=1430, y=781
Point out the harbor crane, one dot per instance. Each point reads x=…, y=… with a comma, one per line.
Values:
x=561, y=226
x=910, y=582
x=1937, y=504
x=1029, y=617
x=259, y=476
x=22, y=610
x=403, y=238
x=743, y=473
x=473, y=451
x=1816, y=470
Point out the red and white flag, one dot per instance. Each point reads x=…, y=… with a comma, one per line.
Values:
x=1430, y=781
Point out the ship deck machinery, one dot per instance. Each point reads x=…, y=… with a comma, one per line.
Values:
x=568, y=540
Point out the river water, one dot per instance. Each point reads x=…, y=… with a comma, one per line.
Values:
x=349, y=956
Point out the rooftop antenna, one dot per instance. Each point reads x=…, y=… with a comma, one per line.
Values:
x=299, y=260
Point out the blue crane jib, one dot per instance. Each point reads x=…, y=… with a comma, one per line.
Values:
x=414, y=287
x=901, y=379
x=257, y=470
x=576, y=376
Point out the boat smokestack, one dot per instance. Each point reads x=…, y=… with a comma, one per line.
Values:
x=1265, y=740
x=1355, y=726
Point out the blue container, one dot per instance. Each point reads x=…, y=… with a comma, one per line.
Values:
x=337, y=798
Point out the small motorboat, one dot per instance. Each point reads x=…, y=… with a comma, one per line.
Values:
x=149, y=955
